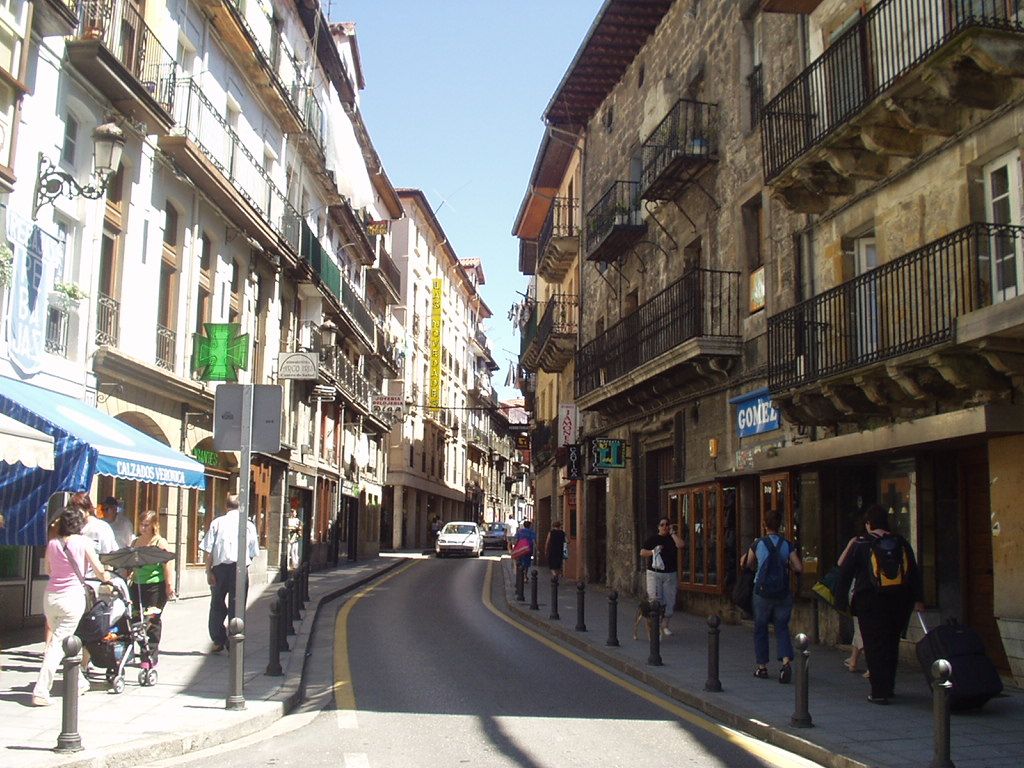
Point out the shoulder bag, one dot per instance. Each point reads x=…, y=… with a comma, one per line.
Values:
x=90, y=596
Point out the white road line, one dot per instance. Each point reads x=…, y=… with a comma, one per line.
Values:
x=356, y=760
x=346, y=719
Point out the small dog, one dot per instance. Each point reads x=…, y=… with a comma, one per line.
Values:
x=644, y=612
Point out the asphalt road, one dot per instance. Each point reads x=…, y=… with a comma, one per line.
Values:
x=423, y=669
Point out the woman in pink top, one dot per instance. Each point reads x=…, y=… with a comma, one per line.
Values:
x=65, y=596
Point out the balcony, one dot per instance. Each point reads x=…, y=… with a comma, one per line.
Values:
x=121, y=56
x=930, y=328
x=686, y=334
x=390, y=355
x=108, y=320
x=215, y=158
x=684, y=143
x=165, y=345
x=542, y=443
x=354, y=224
x=319, y=260
x=480, y=387
x=614, y=224
x=907, y=76
x=552, y=346
x=386, y=276
x=559, y=242
x=353, y=385
x=257, y=49
x=57, y=322
x=357, y=316
x=55, y=18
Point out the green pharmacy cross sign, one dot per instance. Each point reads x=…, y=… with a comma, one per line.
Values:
x=221, y=354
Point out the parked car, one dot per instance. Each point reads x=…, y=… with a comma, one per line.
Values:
x=496, y=535
x=459, y=538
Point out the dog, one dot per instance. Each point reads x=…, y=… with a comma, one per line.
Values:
x=644, y=612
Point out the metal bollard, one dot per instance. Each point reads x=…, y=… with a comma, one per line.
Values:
x=69, y=739
x=941, y=686
x=236, y=641
x=581, y=589
x=520, y=578
x=801, y=716
x=305, y=584
x=292, y=606
x=282, y=614
x=713, y=684
x=533, y=590
x=654, y=659
x=274, y=663
x=554, y=598
x=613, y=619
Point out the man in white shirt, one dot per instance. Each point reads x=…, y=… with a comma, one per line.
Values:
x=101, y=534
x=119, y=523
x=221, y=547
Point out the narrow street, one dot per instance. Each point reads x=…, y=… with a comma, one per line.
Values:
x=428, y=672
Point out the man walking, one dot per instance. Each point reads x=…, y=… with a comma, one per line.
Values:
x=120, y=525
x=98, y=530
x=221, y=547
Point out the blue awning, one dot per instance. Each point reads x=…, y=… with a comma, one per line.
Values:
x=86, y=442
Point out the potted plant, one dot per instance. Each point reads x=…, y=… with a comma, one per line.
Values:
x=67, y=295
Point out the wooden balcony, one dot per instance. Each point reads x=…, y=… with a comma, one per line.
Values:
x=614, y=224
x=683, y=337
x=940, y=327
x=909, y=75
x=121, y=56
x=553, y=344
x=684, y=143
x=559, y=242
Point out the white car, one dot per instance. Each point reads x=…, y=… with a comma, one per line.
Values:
x=459, y=538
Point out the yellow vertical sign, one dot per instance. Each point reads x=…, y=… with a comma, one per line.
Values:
x=435, y=344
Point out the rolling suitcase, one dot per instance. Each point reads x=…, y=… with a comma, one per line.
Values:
x=975, y=679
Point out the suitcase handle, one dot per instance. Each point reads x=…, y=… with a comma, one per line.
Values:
x=920, y=618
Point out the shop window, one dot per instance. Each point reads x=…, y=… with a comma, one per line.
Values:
x=778, y=492
x=706, y=516
x=137, y=499
x=203, y=506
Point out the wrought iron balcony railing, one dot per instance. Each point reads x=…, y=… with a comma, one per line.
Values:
x=888, y=41
x=618, y=211
x=755, y=89
x=684, y=141
x=703, y=303
x=908, y=304
x=108, y=317
x=56, y=331
x=389, y=269
x=560, y=317
x=123, y=31
x=563, y=221
x=313, y=253
x=165, y=343
x=353, y=304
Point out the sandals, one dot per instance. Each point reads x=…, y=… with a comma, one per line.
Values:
x=849, y=666
x=761, y=673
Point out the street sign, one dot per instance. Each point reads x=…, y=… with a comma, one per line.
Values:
x=298, y=365
x=221, y=354
x=607, y=453
x=266, y=417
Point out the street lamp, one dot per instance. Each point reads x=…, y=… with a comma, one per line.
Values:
x=51, y=182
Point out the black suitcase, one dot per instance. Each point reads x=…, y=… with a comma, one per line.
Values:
x=975, y=679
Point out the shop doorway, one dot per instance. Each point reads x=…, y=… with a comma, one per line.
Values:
x=597, y=522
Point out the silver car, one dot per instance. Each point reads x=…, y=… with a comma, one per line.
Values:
x=459, y=538
x=495, y=535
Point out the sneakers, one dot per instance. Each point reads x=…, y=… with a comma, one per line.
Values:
x=217, y=648
x=666, y=631
x=785, y=673
x=761, y=673
x=40, y=701
x=878, y=700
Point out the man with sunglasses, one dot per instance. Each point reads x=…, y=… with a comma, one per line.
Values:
x=662, y=548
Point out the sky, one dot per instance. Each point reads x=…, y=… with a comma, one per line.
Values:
x=455, y=90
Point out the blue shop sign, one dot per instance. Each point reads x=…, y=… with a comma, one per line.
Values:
x=755, y=413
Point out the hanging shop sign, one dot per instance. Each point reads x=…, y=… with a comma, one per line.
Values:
x=607, y=453
x=568, y=423
x=434, y=401
x=573, y=461
x=755, y=413
x=378, y=228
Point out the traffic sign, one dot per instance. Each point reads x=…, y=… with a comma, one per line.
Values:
x=266, y=417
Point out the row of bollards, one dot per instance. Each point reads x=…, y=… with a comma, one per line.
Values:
x=801, y=718
x=284, y=612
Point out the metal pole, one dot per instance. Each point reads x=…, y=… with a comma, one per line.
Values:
x=554, y=598
x=236, y=637
x=282, y=613
x=801, y=716
x=520, y=576
x=713, y=684
x=289, y=624
x=305, y=583
x=654, y=659
x=274, y=663
x=613, y=619
x=581, y=589
x=69, y=739
x=241, y=556
x=941, y=686
x=533, y=590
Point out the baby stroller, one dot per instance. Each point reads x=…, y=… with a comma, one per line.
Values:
x=115, y=637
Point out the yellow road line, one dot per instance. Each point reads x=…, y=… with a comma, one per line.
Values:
x=756, y=747
x=344, y=696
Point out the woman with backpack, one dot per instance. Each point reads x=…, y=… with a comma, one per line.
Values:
x=886, y=587
x=771, y=558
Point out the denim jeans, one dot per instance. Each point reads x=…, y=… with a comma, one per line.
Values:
x=661, y=586
x=777, y=612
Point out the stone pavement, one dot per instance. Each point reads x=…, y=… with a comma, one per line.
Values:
x=848, y=731
x=185, y=711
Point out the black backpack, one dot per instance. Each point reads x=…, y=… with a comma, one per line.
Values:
x=888, y=563
x=773, y=573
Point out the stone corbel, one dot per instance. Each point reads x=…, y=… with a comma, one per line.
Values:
x=802, y=200
x=857, y=163
x=907, y=381
x=890, y=140
x=997, y=55
x=970, y=373
x=969, y=86
x=851, y=401
x=815, y=410
x=939, y=118
x=823, y=179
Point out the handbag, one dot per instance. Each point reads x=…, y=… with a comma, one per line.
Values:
x=565, y=550
x=90, y=595
x=521, y=548
x=743, y=591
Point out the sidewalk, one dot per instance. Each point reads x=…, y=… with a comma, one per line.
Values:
x=848, y=731
x=185, y=710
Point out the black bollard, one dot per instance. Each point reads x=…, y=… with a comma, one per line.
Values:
x=282, y=614
x=305, y=584
x=613, y=619
x=713, y=684
x=69, y=739
x=581, y=589
x=941, y=686
x=274, y=663
x=554, y=598
x=236, y=641
x=293, y=606
x=654, y=659
x=801, y=716
x=520, y=578
x=533, y=590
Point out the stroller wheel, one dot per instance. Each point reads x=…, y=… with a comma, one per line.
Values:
x=152, y=676
x=111, y=674
x=143, y=678
x=118, y=684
